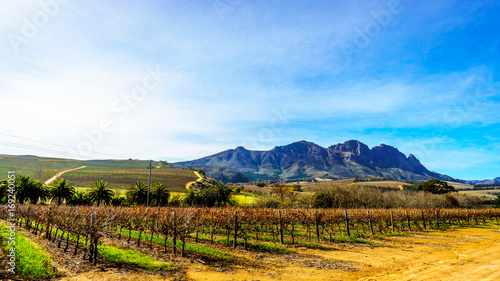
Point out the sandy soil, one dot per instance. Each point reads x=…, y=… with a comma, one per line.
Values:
x=466, y=254
x=463, y=254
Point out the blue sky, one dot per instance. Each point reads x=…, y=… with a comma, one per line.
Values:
x=182, y=79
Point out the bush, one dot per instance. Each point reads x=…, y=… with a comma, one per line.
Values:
x=437, y=187
x=338, y=196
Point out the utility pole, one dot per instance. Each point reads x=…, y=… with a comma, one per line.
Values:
x=149, y=180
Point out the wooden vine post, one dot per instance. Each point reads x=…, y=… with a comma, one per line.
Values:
x=93, y=240
x=197, y=224
x=174, y=238
x=347, y=224
x=317, y=224
x=423, y=219
x=281, y=227
x=408, y=220
x=370, y=222
x=437, y=218
x=235, y=229
x=392, y=222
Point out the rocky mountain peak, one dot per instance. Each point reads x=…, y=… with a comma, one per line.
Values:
x=303, y=159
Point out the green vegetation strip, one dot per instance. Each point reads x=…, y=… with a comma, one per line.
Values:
x=306, y=244
x=124, y=256
x=258, y=246
x=141, y=260
x=188, y=246
x=31, y=259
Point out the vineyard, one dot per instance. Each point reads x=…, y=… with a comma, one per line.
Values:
x=178, y=231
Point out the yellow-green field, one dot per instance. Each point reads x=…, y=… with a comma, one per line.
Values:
x=483, y=194
x=460, y=185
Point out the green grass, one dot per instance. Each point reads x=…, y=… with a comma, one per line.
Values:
x=269, y=247
x=141, y=260
x=242, y=201
x=125, y=256
x=188, y=246
x=31, y=260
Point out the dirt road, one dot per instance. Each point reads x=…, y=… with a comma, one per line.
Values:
x=465, y=254
x=58, y=175
x=200, y=178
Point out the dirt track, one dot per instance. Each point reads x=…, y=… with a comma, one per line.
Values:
x=464, y=254
x=58, y=175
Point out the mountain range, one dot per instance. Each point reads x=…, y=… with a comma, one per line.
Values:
x=306, y=160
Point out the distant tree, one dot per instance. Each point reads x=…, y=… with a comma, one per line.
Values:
x=78, y=199
x=176, y=200
x=296, y=187
x=119, y=200
x=61, y=190
x=222, y=195
x=100, y=193
x=281, y=190
x=496, y=202
x=260, y=184
x=39, y=173
x=159, y=194
x=436, y=186
x=4, y=189
x=137, y=193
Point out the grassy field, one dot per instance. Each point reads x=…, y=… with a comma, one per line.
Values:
x=460, y=185
x=483, y=194
x=386, y=183
x=120, y=174
x=31, y=260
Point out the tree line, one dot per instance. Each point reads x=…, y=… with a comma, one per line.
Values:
x=62, y=192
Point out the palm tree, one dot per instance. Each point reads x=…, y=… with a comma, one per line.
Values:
x=190, y=197
x=223, y=195
x=100, y=192
x=24, y=187
x=38, y=192
x=61, y=190
x=79, y=198
x=138, y=193
x=160, y=194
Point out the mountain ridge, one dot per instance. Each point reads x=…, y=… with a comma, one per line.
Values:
x=303, y=159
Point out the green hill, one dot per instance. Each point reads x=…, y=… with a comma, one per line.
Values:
x=120, y=174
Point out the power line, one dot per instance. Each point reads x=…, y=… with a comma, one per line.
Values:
x=35, y=148
x=94, y=152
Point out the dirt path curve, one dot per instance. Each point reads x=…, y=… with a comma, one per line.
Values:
x=200, y=178
x=58, y=175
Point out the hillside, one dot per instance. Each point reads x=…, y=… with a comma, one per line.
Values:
x=485, y=182
x=307, y=160
x=120, y=174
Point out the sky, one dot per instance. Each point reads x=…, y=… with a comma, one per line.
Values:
x=182, y=79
